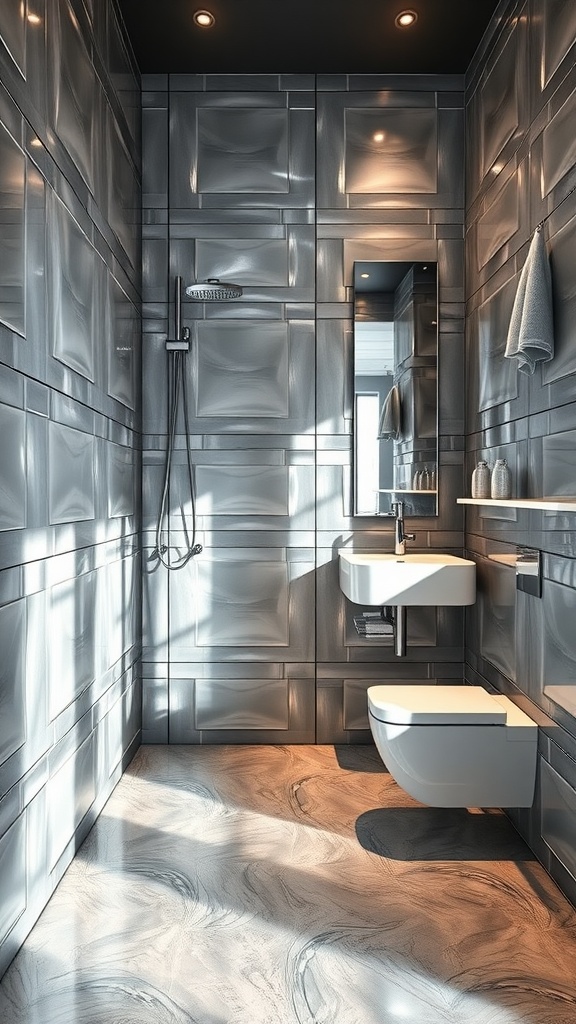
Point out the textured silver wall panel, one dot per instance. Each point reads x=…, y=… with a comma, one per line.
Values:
x=73, y=642
x=558, y=146
x=558, y=34
x=500, y=221
x=241, y=704
x=12, y=468
x=70, y=792
x=71, y=474
x=559, y=463
x=70, y=577
x=74, y=276
x=499, y=113
x=562, y=258
x=12, y=874
x=555, y=669
x=12, y=237
x=13, y=31
x=497, y=601
x=242, y=150
x=262, y=261
x=390, y=151
x=232, y=490
x=242, y=369
x=497, y=377
x=559, y=816
x=12, y=678
x=122, y=482
x=123, y=191
x=75, y=90
x=242, y=603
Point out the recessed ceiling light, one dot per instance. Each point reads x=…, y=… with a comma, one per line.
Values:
x=364, y=275
x=34, y=19
x=378, y=136
x=204, y=18
x=405, y=18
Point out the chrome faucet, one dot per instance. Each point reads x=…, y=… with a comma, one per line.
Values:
x=400, y=537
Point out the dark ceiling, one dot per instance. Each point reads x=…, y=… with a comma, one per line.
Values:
x=305, y=36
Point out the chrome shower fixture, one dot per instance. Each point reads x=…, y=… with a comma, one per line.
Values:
x=213, y=290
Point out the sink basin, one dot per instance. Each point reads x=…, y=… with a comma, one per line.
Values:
x=428, y=579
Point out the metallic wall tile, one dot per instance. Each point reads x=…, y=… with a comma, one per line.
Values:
x=12, y=874
x=123, y=346
x=242, y=603
x=244, y=260
x=12, y=678
x=74, y=275
x=564, y=297
x=155, y=710
x=554, y=670
x=70, y=793
x=241, y=704
x=496, y=604
x=123, y=190
x=558, y=151
x=558, y=33
x=73, y=636
x=121, y=481
x=558, y=816
x=499, y=107
x=242, y=150
x=13, y=469
x=155, y=156
x=242, y=369
x=13, y=32
x=497, y=377
x=12, y=236
x=390, y=151
x=240, y=175
x=231, y=490
x=559, y=463
x=499, y=222
x=297, y=685
x=123, y=77
x=75, y=90
x=70, y=474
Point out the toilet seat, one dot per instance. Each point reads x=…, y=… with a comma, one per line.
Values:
x=435, y=705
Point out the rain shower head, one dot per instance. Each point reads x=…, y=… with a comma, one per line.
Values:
x=213, y=290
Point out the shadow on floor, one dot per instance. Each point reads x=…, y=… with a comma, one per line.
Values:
x=359, y=757
x=440, y=833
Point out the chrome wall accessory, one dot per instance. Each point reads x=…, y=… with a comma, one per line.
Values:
x=529, y=571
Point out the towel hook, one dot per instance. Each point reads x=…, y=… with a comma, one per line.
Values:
x=543, y=221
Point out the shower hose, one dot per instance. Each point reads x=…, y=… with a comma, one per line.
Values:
x=176, y=389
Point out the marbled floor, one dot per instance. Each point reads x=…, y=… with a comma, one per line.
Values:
x=275, y=885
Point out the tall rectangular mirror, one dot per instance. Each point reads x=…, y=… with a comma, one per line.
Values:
x=395, y=387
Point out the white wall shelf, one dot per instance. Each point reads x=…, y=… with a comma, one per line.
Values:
x=545, y=504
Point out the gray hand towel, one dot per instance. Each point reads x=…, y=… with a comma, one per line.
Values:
x=389, y=425
x=530, y=333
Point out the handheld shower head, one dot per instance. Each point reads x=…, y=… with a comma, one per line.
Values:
x=213, y=290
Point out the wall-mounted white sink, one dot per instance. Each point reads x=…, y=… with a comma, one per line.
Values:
x=416, y=579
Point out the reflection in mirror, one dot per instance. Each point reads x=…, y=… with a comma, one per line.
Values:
x=395, y=387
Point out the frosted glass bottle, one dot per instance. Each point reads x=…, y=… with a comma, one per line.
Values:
x=481, y=481
x=501, y=481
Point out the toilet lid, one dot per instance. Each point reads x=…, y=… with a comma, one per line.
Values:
x=435, y=705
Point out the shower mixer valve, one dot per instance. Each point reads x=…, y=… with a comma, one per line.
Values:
x=180, y=345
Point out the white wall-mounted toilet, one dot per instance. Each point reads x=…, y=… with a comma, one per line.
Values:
x=455, y=746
